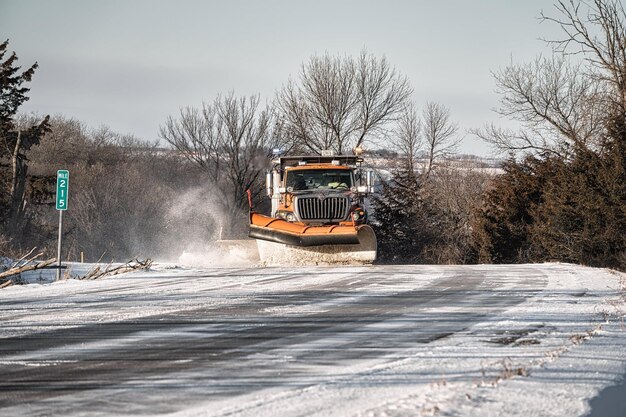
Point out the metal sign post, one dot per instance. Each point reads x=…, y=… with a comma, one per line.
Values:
x=63, y=181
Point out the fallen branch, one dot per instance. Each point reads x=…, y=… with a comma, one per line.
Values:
x=132, y=265
x=20, y=261
x=28, y=267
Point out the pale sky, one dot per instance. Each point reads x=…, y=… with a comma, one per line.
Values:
x=128, y=64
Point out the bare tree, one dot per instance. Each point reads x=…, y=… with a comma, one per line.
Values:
x=406, y=138
x=557, y=106
x=439, y=135
x=66, y=141
x=453, y=194
x=562, y=105
x=339, y=102
x=597, y=31
x=231, y=140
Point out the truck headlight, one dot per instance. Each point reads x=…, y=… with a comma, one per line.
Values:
x=286, y=215
x=358, y=215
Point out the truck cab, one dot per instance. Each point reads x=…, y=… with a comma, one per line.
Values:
x=319, y=190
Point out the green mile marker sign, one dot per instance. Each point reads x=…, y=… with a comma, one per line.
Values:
x=63, y=181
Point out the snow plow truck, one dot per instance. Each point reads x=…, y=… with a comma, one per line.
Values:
x=317, y=212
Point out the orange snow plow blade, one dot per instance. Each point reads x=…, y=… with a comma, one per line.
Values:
x=281, y=242
x=295, y=234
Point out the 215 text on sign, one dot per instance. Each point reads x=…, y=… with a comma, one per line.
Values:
x=63, y=181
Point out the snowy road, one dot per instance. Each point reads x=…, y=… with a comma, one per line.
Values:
x=370, y=341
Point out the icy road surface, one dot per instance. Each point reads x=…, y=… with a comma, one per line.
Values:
x=523, y=340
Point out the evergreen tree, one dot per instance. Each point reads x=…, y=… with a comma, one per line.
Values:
x=583, y=218
x=550, y=209
x=14, y=142
x=507, y=214
x=398, y=221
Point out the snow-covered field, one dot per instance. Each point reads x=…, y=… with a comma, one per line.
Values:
x=509, y=340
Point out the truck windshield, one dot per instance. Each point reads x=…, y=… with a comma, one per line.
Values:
x=318, y=179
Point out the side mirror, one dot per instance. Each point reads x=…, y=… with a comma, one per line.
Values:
x=269, y=183
x=370, y=181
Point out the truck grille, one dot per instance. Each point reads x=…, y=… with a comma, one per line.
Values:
x=322, y=208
